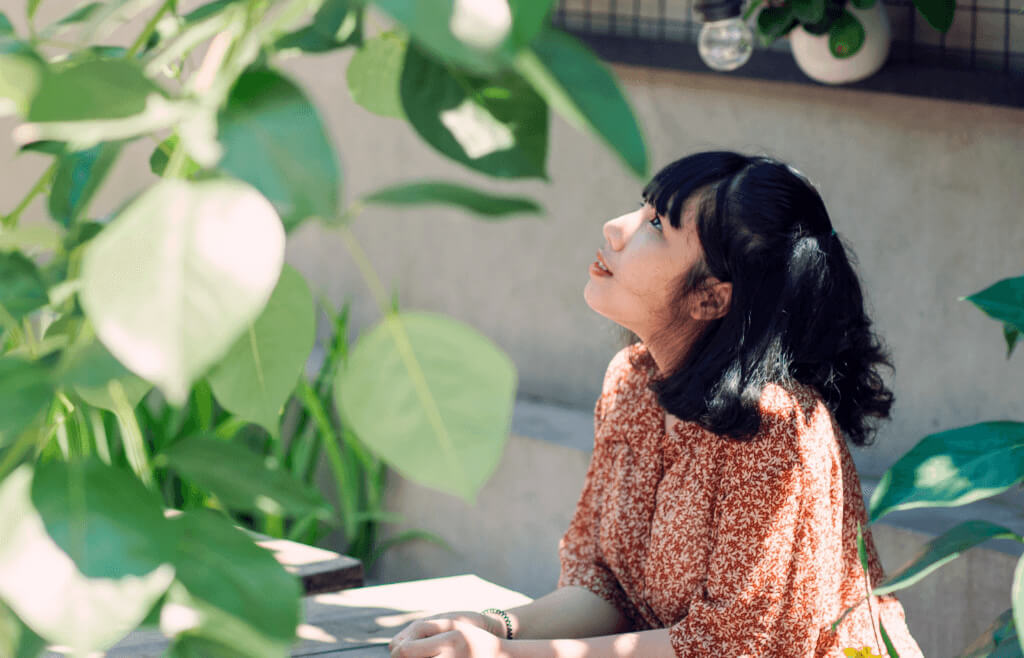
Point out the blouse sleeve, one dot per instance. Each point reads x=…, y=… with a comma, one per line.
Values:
x=582, y=563
x=757, y=600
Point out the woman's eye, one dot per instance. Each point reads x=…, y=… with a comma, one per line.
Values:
x=655, y=222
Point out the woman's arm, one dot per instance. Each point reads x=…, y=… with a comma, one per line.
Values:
x=567, y=612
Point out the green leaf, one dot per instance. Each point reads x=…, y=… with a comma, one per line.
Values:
x=78, y=176
x=863, y=4
x=274, y=140
x=1012, y=335
x=25, y=391
x=240, y=479
x=584, y=92
x=773, y=22
x=453, y=32
x=162, y=155
x=92, y=89
x=229, y=592
x=85, y=552
x=888, y=643
x=862, y=551
x=30, y=237
x=498, y=127
x=808, y=11
x=91, y=370
x=998, y=641
x=21, y=75
x=1017, y=596
x=944, y=548
x=374, y=74
x=432, y=397
x=846, y=35
x=22, y=289
x=1003, y=301
x=79, y=15
x=336, y=24
x=256, y=377
x=467, y=198
x=938, y=13
x=6, y=29
x=179, y=274
x=953, y=468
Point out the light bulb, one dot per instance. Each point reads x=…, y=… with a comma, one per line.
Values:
x=725, y=45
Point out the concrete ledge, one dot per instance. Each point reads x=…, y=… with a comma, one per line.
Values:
x=511, y=535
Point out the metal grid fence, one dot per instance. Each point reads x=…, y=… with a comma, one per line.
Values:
x=986, y=35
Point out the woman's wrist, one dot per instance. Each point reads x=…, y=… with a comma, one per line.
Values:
x=499, y=623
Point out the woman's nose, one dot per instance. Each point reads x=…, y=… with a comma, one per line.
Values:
x=614, y=233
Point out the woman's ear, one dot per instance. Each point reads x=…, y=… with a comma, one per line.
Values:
x=711, y=300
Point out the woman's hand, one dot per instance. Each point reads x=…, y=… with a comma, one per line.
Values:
x=450, y=635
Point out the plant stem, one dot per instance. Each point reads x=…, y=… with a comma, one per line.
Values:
x=131, y=434
x=373, y=281
x=11, y=220
x=337, y=463
x=149, y=29
x=99, y=432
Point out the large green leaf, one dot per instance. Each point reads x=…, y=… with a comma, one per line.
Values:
x=374, y=74
x=92, y=89
x=953, y=468
x=336, y=23
x=22, y=289
x=274, y=140
x=256, y=377
x=86, y=552
x=432, y=397
x=845, y=36
x=584, y=92
x=472, y=35
x=1003, y=301
x=450, y=194
x=91, y=370
x=229, y=591
x=78, y=176
x=179, y=274
x=21, y=74
x=240, y=479
x=25, y=390
x=497, y=127
x=938, y=13
x=944, y=548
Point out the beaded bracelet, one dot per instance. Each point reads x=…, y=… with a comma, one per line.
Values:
x=503, y=615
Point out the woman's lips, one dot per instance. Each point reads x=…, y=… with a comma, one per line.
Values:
x=599, y=267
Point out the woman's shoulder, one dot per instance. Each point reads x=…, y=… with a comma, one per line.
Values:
x=796, y=420
x=630, y=368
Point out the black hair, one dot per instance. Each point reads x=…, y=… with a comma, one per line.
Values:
x=796, y=312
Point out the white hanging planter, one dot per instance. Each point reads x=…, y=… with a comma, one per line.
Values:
x=814, y=58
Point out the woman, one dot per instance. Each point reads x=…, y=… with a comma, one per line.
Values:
x=720, y=511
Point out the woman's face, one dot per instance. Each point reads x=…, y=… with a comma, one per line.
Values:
x=647, y=260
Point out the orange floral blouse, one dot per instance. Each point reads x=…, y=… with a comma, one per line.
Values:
x=739, y=548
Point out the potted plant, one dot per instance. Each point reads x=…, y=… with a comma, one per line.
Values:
x=839, y=41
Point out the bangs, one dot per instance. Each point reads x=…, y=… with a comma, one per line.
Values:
x=670, y=188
